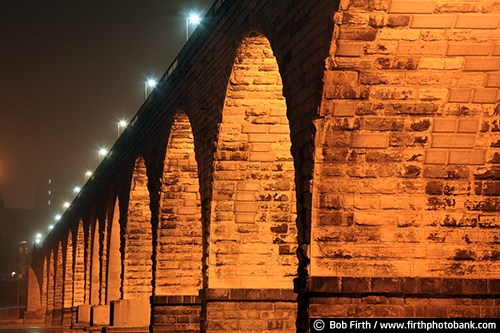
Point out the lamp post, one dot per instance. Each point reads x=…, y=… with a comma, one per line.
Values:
x=148, y=82
x=88, y=174
x=121, y=124
x=191, y=17
x=14, y=276
x=102, y=152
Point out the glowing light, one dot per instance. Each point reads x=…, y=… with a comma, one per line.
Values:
x=66, y=204
x=58, y=217
x=88, y=174
x=149, y=82
x=102, y=152
x=51, y=227
x=191, y=17
x=194, y=18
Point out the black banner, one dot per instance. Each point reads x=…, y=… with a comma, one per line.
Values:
x=325, y=325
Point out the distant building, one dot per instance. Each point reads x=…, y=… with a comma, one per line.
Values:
x=18, y=234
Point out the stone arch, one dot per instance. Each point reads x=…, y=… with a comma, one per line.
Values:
x=79, y=266
x=58, y=285
x=67, y=301
x=44, y=284
x=94, y=264
x=113, y=268
x=179, y=247
x=137, y=264
x=252, y=231
x=50, y=288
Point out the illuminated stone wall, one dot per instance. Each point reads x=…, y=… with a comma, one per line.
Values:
x=299, y=159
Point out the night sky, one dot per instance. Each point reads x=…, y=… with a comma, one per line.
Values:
x=68, y=71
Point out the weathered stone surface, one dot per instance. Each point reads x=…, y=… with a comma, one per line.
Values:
x=354, y=142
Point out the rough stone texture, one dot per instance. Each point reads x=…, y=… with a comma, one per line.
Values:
x=179, y=248
x=350, y=147
x=252, y=231
x=138, y=240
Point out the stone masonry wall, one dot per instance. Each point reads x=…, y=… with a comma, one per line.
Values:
x=137, y=272
x=253, y=234
x=179, y=248
x=406, y=157
x=347, y=149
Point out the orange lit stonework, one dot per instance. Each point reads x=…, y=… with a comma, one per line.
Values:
x=298, y=159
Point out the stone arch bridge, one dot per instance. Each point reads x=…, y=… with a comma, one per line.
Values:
x=298, y=159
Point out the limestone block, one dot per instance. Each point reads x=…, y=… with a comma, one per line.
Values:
x=130, y=312
x=83, y=313
x=100, y=315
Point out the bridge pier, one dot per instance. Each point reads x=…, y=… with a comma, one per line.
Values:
x=57, y=315
x=350, y=145
x=179, y=313
x=131, y=315
x=48, y=317
x=248, y=310
x=100, y=315
x=66, y=317
x=81, y=316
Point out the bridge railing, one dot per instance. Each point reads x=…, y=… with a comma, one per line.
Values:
x=214, y=9
x=210, y=14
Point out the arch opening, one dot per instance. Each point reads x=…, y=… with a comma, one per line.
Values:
x=253, y=232
x=179, y=247
x=79, y=266
x=137, y=264
x=114, y=257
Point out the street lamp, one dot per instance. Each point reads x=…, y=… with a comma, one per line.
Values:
x=88, y=174
x=102, y=152
x=191, y=17
x=17, y=290
x=76, y=190
x=122, y=123
x=66, y=205
x=148, y=82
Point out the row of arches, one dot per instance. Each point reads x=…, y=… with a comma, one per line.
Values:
x=184, y=232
